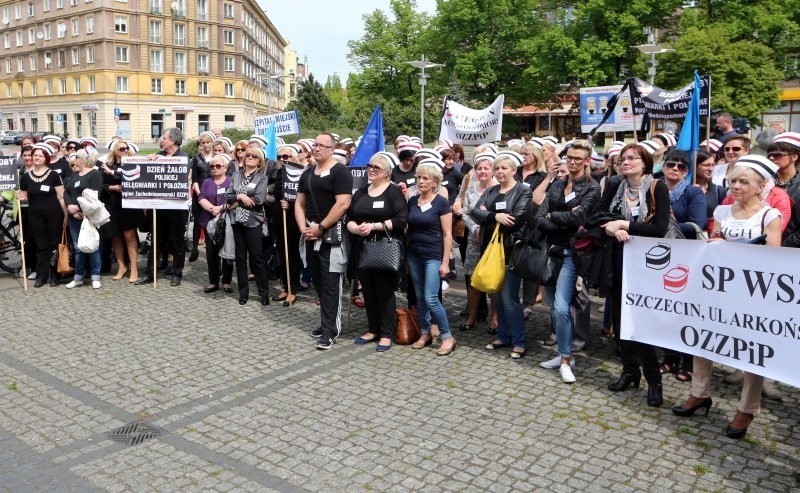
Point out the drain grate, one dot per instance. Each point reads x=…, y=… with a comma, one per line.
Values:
x=134, y=433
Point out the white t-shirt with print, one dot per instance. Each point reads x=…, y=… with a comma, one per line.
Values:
x=743, y=230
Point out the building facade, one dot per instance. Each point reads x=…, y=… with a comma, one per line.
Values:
x=135, y=67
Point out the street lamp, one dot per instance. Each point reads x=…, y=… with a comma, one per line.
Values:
x=270, y=87
x=652, y=48
x=422, y=64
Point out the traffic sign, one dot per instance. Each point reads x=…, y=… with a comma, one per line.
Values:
x=116, y=118
x=116, y=113
x=59, y=118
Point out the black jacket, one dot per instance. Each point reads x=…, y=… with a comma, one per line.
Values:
x=566, y=217
x=518, y=204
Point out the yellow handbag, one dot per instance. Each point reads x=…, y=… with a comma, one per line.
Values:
x=490, y=272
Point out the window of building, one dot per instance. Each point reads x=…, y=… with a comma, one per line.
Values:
x=155, y=7
x=34, y=89
x=89, y=24
x=76, y=84
x=9, y=91
x=227, y=36
x=8, y=65
x=180, y=87
x=32, y=62
x=20, y=64
x=31, y=9
x=121, y=23
x=62, y=86
x=229, y=92
x=202, y=10
x=156, y=61
x=179, y=35
x=122, y=83
x=180, y=122
x=46, y=31
x=19, y=38
x=202, y=63
x=179, y=8
x=48, y=87
x=76, y=56
x=203, y=123
x=229, y=63
x=179, y=59
x=202, y=37
x=61, y=30
x=202, y=88
x=121, y=54
x=230, y=121
x=6, y=41
x=18, y=11
x=155, y=32
x=92, y=86
x=46, y=5
x=48, y=60
x=73, y=2
x=76, y=26
x=62, y=58
x=31, y=35
x=6, y=20
x=155, y=86
x=228, y=10
x=59, y=4
x=90, y=54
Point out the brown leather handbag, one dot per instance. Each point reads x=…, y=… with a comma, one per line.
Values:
x=407, y=326
x=64, y=266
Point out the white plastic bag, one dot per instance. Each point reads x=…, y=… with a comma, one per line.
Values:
x=89, y=238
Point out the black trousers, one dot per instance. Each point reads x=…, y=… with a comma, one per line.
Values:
x=170, y=230
x=217, y=266
x=293, y=243
x=580, y=315
x=379, y=301
x=249, y=246
x=633, y=354
x=329, y=288
x=45, y=228
x=196, y=211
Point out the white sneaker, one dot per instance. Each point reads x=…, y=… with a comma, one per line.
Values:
x=31, y=276
x=566, y=373
x=445, y=285
x=554, y=363
x=73, y=284
x=96, y=285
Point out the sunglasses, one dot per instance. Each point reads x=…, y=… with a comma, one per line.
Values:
x=734, y=149
x=215, y=166
x=285, y=157
x=777, y=155
x=72, y=148
x=676, y=164
x=374, y=167
x=256, y=156
x=123, y=149
x=241, y=149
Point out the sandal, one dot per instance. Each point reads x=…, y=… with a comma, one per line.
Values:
x=683, y=376
x=667, y=368
x=516, y=354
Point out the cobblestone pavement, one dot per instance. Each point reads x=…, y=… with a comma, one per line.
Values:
x=245, y=403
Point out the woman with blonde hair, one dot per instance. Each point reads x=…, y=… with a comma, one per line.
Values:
x=84, y=177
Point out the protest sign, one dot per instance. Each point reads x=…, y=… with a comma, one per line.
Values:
x=291, y=177
x=463, y=125
x=8, y=173
x=732, y=303
x=594, y=103
x=159, y=183
x=285, y=123
x=359, y=177
x=660, y=104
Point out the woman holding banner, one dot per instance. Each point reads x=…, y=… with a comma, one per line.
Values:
x=287, y=235
x=643, y=204
x=748, y=218
x=212, y=201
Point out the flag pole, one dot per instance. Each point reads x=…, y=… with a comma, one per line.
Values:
x=708, y=117
x=633, y=113
x=22, y=251
x=286, y=256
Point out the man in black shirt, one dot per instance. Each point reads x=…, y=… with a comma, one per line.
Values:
x=323, y=196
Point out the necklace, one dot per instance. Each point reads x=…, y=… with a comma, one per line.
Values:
x=787, y=183
x=39, y=178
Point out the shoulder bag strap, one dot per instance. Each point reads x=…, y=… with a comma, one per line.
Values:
x=763, y=219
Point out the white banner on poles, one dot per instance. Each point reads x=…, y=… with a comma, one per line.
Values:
x=464, y=125
x=286, y=123
x=732, y=303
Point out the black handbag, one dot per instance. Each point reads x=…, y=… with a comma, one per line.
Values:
x=381, y=253
x=534, y=260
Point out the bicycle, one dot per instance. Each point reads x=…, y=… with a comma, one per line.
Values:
x=10, y=246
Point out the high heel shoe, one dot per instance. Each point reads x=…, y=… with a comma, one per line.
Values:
x=465, y=326
x=737, y=433
x=442, y=351
x=687, y=412
x=120, y=275
x=288, y=302
x=655, y=396
x=624, y=381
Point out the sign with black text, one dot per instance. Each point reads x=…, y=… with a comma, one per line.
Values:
x=661, y=104
x=286, y=123
x=8, y=173
x=733, y=303
x=463, y=125
x=291, y=178
x=155, y=183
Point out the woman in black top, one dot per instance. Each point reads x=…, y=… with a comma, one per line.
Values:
x=286, y=181
x=533, y=174
x=200, y=171
x=568, y=204
x=631, y=201
x=84, y=177
x=375, y=211
x=43, y=189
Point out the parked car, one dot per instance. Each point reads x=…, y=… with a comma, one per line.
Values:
x=8, y=138
x=18, y=138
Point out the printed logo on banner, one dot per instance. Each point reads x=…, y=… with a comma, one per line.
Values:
x=659, y=257
x=132, y=174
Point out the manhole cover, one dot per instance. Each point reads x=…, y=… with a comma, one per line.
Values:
x=134, y=433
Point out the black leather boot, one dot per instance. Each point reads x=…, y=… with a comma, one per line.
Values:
x=655, y=396
x=625, y=379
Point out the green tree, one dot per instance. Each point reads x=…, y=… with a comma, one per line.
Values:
x=312, y=100
x=334, y=90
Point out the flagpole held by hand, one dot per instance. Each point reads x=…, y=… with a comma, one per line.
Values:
x=286, y=255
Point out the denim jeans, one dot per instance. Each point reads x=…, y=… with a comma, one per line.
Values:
x=80, y=257
x=427, y=282
x=559, y=297
x=510, y=317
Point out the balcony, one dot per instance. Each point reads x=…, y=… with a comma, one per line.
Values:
x=203, y=43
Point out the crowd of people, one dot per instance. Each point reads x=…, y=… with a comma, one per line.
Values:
x=301, y=212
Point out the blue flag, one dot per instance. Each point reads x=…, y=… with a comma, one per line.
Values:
x=272, y=147
x=689, y=139
x=371, y=142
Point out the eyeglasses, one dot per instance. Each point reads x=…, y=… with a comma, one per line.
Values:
x=628, y=158
x=215, y=166
x=72, y=148
x=285, y=157
x=317, y=145
x=777, y=155
x=123, y=149
x=733, y=149
x=374, y=167
x=241, y=149
x=256, y=156
x=672, y=164
x=575, y=159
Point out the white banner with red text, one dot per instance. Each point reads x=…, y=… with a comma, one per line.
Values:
x=733, y=303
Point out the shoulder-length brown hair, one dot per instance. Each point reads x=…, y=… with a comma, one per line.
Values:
x=642, y=154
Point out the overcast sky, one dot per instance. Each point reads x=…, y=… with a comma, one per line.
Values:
x=320, y=29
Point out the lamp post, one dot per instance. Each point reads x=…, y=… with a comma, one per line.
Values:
x=652, y=48
x=422, y=64
x=270, y=89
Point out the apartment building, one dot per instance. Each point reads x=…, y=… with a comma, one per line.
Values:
x=135, y=67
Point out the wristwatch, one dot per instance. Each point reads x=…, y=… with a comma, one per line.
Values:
x=321, y=228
